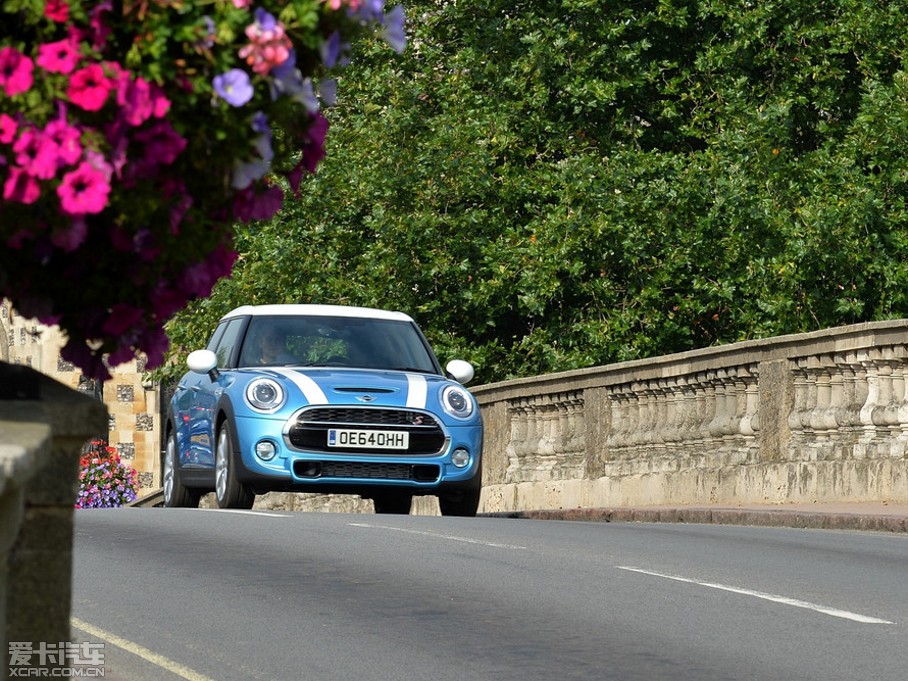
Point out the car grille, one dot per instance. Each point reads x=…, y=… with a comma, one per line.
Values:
x=366, y=469
x=309, y=430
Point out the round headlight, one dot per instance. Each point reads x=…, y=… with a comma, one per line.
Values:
x=265, y=394
x=457, y=402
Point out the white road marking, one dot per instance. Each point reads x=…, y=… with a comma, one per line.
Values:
x=834, y=612
x=245, y=512
x=140, y=651
x=435, y=535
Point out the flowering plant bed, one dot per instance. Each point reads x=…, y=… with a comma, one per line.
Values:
x=135, y=134
x=104, y=480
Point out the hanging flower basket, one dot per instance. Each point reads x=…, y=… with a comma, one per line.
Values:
x=135, y=135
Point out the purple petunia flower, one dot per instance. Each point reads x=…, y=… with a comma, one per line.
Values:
x=234, y=87
x=394, y=29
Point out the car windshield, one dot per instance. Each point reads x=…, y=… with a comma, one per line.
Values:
x=335, y=342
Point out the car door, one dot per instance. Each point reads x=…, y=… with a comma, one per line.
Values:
x=205, y=394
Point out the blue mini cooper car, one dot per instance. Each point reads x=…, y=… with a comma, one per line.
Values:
x=323, y=398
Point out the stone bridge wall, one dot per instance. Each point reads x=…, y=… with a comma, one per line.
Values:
x=810, y=417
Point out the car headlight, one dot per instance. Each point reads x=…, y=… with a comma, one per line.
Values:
x=265, y=394
x=457, y=402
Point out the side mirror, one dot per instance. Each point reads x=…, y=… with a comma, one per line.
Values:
x=203, y=362
x=460, y=371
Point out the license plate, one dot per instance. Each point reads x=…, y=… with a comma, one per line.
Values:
x=368, y=439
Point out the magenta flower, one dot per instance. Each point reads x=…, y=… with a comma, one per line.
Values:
x=313, y=145
x=8, y=128
x=162, y=143
x=59, y=57
x=134, y=97
x=89, y=87
x=122, y=318
x=252, y=205
x=15, y=71
x=56, y=10
x=83, y=190
x=21, y=187
x=67, y=139
x=37, y=153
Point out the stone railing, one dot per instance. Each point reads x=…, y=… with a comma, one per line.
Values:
x=811, y=417
x=43, y=426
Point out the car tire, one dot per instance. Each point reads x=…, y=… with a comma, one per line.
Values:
x=229, y=492
x=397, y=503
x=463, y=503
x=176, y=494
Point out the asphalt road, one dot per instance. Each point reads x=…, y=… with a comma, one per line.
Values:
x=193, y=594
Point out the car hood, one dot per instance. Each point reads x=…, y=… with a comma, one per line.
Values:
x=366, y=387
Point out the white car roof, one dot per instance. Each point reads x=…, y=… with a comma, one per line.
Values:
x=318, y=310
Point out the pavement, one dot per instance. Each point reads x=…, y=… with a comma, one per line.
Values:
x=867, y=516
x=879, y=516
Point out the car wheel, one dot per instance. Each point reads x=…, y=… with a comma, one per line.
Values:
x=175, y=493
x=393, y=502
x=228, y=491
x=460, y=503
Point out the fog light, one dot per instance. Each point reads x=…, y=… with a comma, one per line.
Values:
x=460, y=458
x=265, y=450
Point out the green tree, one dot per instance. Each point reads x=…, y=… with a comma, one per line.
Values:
x=555, y=184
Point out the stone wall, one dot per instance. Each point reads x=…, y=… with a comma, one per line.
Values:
x=43, y=425
x=132, y=403
x=810, y=417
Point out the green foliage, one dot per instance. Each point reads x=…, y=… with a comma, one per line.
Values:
x=564, y=183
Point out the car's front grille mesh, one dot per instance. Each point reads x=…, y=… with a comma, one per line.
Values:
x=309, y=431
x=350, y=416
x=366, y=469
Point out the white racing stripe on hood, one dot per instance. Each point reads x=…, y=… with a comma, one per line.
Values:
x=418, y=389
x=311, y=391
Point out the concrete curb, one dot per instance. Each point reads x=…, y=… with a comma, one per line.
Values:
x=820, y=520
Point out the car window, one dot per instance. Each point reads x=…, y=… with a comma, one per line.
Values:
x=335, y=341
x=228, y=341
x=216, y=336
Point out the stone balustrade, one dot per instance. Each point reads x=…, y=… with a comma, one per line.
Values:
x=811, y=417
x=43, y=425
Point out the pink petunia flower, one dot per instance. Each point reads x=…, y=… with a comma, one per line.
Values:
x=15, y=71
x=122, y=318
x=252, y=205
x=56, y=10
x=134, y=98
x=37, y=153
x=83, y=190
x=67, y=138
x=162, y=143
x=89, y=87
x=8, y=128
x=59, y=57
x=21, y=187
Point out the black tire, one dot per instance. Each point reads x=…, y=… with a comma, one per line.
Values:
x=462, y=503
x=176, y=495
x=229, y=492
x=397, y=503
